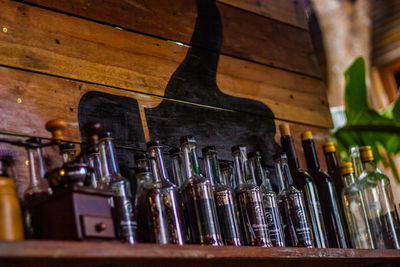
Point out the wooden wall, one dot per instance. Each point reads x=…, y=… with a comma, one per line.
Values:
x=254, y=59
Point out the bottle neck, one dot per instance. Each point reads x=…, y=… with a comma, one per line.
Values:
x=109, y=160
x=241, y=165
x=331, y=162
x=288, y=146
x=156, y=171
x=213, y=172
x=267, y=183
x=369, y=166
x=356, y=160
x=156, y=152
x=36, y=167
x=311, y=155
x=177, y=168
x=348, y=179
x=283, y=173
x=279, y=175
x=256, y=170
x=190, y=160
x=68, y=156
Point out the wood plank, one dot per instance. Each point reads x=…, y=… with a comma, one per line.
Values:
x=49, y=42
x=288, y=11
x=28, y=100
x=115, y=254
x=245, y=34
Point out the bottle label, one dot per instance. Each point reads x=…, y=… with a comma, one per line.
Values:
x=273, y=220
x=300, y=222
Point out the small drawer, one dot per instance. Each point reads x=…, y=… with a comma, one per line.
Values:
x=97, y=227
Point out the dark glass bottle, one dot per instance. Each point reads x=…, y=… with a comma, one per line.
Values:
x=152, y=224
x=224, y=199
x=171, y=197
x=334, y=172
x=327, y=194
x=122, y=199
x=271, y=209
x=305, y=183
x=226, y=173
x=250, y=201
x=295, y=219
x=199, y=199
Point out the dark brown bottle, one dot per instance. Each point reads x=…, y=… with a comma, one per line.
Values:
x=305, y=183
x=198, y=199
x=334, y=172
x=225, y=199
x=171, y=197
x=327, y=194
x=295, y=218
x=250, y=201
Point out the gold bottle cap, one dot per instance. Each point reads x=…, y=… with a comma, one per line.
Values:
x=366, y=153
x=329, y=147
x=306, y=135
x=346, y=168
x=284, y=128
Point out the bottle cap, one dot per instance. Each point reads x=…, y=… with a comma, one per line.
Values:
x=187, y=139
x=174, y=150
x=284, y=128
x=237, y=148
x=306, y=135
x=329, y=147
x=346, y=168
x=225, y=165
x=254, y=154
x=153, y=143
x=366, y=153
x=208, y=149
x=279, y=156
x=105, y=135
x=56, y=127
x=67, y=146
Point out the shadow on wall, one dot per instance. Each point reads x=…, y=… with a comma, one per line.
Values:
x=193, y=81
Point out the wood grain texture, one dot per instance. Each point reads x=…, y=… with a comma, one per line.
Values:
x=56, y=44
x=246, y=35
x=28, y=100
x=63, y=253
x=288, y=11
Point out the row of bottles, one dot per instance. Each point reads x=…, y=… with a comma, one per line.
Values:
x=227, y=204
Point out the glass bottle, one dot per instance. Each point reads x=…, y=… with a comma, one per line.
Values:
x=327, y=194
x=122, y=199
x=271, y=209
x=38, y=186
x=171, y=197
x=68, y=152
x=224, y=199
x=306, y=184
x=334, y=172
x=177, y=166
x=295, y=220
x=250, y=201
x=381, y=210
x=94, y=162
x=226, y=173
x=198, y=198
x=354, y=210
x=356, y=160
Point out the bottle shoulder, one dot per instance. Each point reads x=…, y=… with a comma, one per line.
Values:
x=372, y=177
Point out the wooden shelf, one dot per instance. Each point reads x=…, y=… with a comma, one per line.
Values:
x=68, y=253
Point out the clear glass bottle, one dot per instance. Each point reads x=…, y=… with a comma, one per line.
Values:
x=295, y=219
x=226, y=173
x=306, y=184
x=199, y=199
x=356, y=161
x=354, y=210
x=327, y=194
x=177, y=166
x=94, y=162
x=271, y=209
x=171, y=197
x=381, y=210
x=38, y=186
x=122, y=199
x=68, y=152
x=224, y=199
x=250, y=201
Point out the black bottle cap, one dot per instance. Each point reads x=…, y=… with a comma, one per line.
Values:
x=105, y=135
x=186, y=139
x=153, y=143
x=208, y=149
x=67, y=146
x=174, y=150
x=236, y=148
x=254, y=154
x=279, y=155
